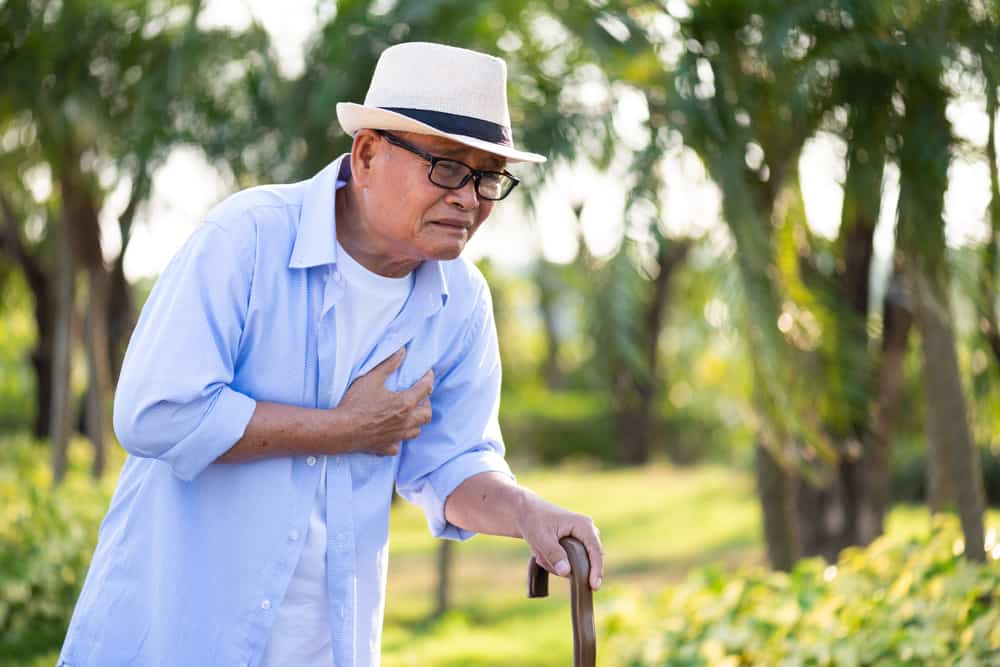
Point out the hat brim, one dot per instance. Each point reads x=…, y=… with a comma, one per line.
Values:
x=354, y=117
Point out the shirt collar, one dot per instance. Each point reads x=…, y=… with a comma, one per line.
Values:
x=316, y=236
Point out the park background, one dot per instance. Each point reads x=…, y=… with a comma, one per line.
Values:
x=748, y=311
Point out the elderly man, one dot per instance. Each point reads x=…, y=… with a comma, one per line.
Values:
x=311, y=346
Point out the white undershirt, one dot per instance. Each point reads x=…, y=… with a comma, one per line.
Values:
x=300, y=635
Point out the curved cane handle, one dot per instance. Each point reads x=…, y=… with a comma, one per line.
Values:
x=581, y=599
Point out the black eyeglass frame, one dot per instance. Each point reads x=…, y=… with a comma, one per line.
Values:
x=475, y=174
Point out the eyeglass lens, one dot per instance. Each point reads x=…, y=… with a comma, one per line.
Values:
x=452, y=174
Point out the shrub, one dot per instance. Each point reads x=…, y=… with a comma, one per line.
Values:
x=550, y=427
x=47, y=537
x=909, y=472
x=897, y=602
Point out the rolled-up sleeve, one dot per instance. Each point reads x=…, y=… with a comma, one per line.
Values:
x=463, y=438
x=174, y=401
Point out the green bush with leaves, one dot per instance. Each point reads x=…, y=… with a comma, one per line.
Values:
x=47, y=537
x=899, y=602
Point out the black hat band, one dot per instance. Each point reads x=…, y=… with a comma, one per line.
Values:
x=455, y=124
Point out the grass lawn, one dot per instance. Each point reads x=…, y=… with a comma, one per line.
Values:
x=656, y=523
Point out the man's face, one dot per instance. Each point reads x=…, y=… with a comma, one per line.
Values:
x=412, y=217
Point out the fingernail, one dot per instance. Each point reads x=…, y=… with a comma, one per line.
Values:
x=562, y=568
x=597, y=583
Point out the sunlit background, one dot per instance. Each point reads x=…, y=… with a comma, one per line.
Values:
x=748, y=311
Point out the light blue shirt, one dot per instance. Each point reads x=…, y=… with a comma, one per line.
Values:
x=194, y=557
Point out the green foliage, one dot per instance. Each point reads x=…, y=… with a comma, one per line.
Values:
x=551, y=427
x=909, y=472
x=47, y=536
x=901, y=601
x=542, y=426
x=17, y=384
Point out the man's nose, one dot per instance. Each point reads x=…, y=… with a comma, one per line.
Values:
x=464, y=197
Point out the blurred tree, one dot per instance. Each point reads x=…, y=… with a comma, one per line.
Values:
x=863, y=381
x=755, y=80
x=97, y=93
x=739, y=106
x=926, y=146
x=982, y=42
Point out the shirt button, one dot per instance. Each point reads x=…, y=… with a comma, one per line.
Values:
x=311, y=461
x=337, y=277
x=243, y=664
x=294, y=535
x=266, y=604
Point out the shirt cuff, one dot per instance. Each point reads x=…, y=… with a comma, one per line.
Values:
x=449, y=477
x=223, y=425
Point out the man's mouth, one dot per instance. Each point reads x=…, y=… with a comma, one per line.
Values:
x=454, y=224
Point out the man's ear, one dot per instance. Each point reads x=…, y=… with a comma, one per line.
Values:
x=363, y=152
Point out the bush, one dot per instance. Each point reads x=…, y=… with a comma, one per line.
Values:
x=550, y=427
x=898, y=602
x=909, y=472
x=47, y=537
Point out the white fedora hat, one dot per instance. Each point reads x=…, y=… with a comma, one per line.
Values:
x=440, y=90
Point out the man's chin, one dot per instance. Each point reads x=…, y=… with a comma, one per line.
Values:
x=447, y=251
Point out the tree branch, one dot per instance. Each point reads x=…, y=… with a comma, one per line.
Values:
x=15, y=247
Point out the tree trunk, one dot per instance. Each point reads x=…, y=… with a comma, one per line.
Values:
x=897, y=318
x=82, y=226
x=61, y=416
x=98, y=406
x=821, y=515
x=121, y=302
x=849, y=508
x=121, y=318
x=547, y=283
x=42, y=290
x=776, y=488
x=632, y=430
x=954, y=460
x=923, y=166
x=638, y=423
x=989, y=283
x=442, y=598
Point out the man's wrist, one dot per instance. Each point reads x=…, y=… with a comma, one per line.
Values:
x=337, y=434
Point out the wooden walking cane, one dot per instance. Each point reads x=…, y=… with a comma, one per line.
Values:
x=581, y=599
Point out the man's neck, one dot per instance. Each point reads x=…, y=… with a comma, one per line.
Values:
x=355, y=236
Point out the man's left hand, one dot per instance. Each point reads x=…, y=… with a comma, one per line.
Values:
x=493, y=503
x=543, y=524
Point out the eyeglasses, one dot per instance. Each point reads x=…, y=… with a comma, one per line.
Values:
x=452, y=174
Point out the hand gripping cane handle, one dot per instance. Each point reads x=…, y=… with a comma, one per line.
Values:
x=581, y=599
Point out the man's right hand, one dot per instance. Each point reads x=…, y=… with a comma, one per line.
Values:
x=370, y=418
x=381, y=418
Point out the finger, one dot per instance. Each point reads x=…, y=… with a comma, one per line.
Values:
x=424, y=414
x=421, y=389
x=554, y=559
x=390, y=363
x=595, y=552
x=387, y=450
